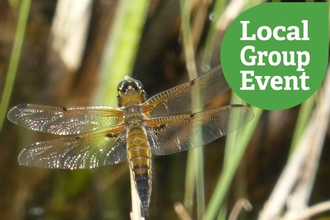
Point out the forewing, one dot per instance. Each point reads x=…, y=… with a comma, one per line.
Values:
x=64, y=121
x=171, y=134
x=85, y=151
x=179, y=99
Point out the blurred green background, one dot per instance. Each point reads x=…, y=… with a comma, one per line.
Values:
x=75, y=52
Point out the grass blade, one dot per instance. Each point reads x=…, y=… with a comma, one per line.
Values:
x=14, y=59
x=236, y=143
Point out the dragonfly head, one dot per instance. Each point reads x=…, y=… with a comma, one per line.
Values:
x=130, y=91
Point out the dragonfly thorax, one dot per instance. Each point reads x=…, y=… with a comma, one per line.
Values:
x=133, y=116
x=134, y=121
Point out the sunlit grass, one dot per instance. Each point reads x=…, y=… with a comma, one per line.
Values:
x=121, y=49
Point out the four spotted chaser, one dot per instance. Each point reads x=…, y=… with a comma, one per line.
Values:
x=164, y=124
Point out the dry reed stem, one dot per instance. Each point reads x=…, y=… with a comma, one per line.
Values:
x=136, y=204
x=181, y=211
x=297, y=166
x=311, y=211
x=69, y=30
x=239, y=205
x=233, y=9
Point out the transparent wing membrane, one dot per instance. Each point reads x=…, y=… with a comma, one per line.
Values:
x=90, y=150
x=171, y=134
x=64, y=121
x=179, y=99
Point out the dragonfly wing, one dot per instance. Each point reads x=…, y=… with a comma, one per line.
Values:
x=63, y=121
x=85, y=151
x=171, y=134
x=179, y=99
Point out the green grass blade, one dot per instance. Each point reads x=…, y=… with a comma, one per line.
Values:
x=195, y=163
x=232, y=160
x=189, y=184
x=14, y=59
x=218, y=9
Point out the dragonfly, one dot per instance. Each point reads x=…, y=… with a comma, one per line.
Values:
x=167, y=123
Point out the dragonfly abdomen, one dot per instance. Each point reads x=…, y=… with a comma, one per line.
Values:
x=139, y=157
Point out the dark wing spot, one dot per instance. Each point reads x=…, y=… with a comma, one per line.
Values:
x=192, y=115
x=162, y=125
x=192, y=82
x=21, y=105
x=109, y=135
x=64, y=109
x=76, y=137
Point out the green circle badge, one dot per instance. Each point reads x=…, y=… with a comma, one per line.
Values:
x=275, y=55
